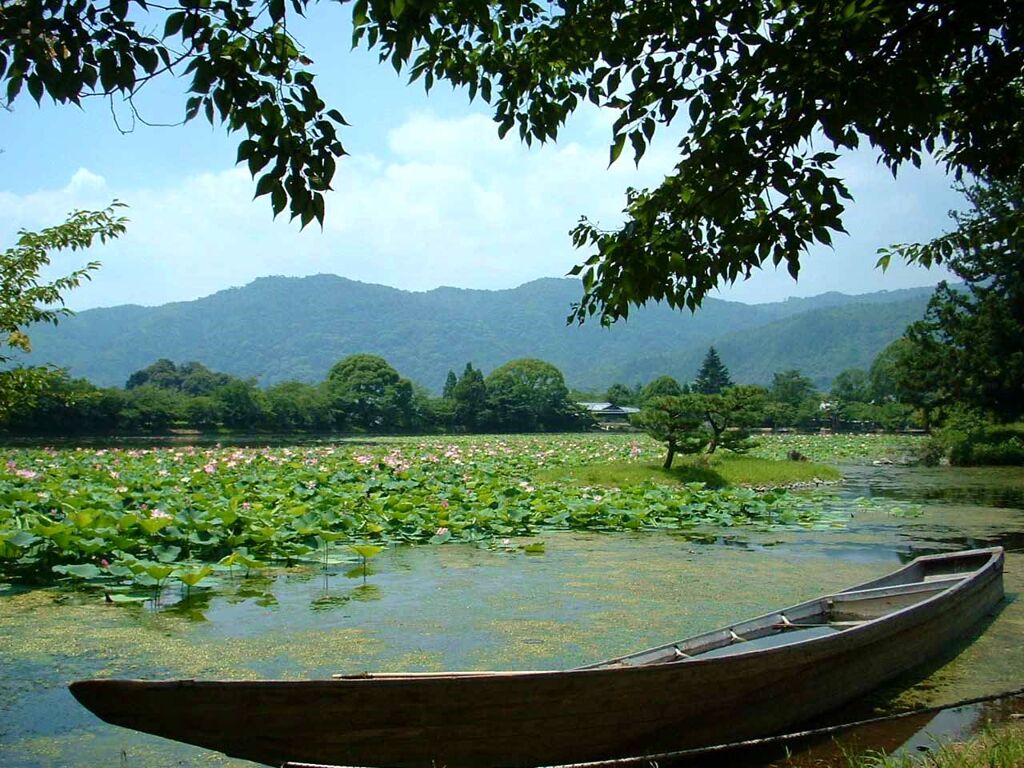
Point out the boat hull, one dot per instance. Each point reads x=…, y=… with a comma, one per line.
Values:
x=543, y=718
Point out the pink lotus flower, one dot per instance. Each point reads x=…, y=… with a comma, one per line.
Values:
x=441, y=531
x=105, y=563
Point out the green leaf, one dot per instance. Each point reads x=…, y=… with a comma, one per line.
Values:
x=173, y=24
x=152, y=525
x=118, y=597
x=166, y=553
x=267, y=183
x=84, y=571
x=359, y=13
x=336, y=116
x=366, y=551
x=35, y=87
x=278, y=199
x=616, y=148
x=157, y=571
x=190, y=577
x=19, y=538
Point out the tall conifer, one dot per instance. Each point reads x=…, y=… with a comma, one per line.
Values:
x=713, y=376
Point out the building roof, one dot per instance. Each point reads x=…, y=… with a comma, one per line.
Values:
x=608, y=408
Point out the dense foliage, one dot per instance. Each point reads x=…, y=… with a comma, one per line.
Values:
x=365, y=394
x=966, y=440
x=362, y=393
x=696, y=422
x=27, y=299
x=150, y=514
x=530, y=395
x=772, y=92
x=246, y=72
x=961, y=367
x=971, y=342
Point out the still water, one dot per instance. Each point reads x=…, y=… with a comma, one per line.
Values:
x=588, y=596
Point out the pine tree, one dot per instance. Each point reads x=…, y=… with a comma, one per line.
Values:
x=713, y=376
x=470, y=395
x=449, y=386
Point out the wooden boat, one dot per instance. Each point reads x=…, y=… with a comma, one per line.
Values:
x=750, y=679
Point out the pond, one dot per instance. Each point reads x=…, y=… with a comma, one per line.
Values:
x=585, y=597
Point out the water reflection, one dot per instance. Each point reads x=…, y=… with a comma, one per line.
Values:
x=329, y=599
x=192, y=606
x=969, y=486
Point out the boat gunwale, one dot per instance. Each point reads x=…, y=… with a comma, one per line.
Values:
x=995, y=556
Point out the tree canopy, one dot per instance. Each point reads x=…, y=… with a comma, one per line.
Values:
x=192, y=378
x=768, y=94
x=470, y=396
x=245, y=71
x=529, y=394
x=26, y=299
x=367, y=393
x=762, y=96
x=663, y=386
x=692, y=423
x=971, y=342
x=791, y=387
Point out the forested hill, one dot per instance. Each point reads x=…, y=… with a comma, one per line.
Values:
x=280, y=328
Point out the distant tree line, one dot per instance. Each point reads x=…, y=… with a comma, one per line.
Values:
x=714, y=413
x=859, y=399
x=361, y=393
x=364, y=393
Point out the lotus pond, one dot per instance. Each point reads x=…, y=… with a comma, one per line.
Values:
x=144, y=517
x=481, y=567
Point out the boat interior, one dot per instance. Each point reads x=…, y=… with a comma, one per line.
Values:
x=921, y=580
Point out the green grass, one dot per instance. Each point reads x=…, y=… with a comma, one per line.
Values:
x=992, y=748
x=719, y=471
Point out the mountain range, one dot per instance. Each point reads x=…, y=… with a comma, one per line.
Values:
x=281, y=328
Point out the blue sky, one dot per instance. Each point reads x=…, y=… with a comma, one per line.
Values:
x=430, y=196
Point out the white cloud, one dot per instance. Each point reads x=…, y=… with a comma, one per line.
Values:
x=448, y=204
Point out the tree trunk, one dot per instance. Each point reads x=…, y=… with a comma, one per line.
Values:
x=671, y=455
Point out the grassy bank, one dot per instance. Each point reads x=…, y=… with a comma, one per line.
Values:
x=718, y=471
x=1001, y=747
